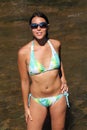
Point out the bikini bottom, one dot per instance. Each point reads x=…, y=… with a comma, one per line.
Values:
x=48, y=101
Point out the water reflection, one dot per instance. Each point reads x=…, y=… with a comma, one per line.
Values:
x=70, y=27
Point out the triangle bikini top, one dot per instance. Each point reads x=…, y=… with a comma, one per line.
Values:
x=35, y=67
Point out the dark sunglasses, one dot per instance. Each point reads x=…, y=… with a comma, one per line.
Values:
x=41, y=25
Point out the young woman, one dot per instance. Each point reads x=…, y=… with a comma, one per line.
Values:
x=42, y=77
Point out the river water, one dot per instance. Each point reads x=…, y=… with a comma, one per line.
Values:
x=68, y=23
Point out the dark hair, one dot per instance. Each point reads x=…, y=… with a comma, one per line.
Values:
x=42, y=15
x=38, y=14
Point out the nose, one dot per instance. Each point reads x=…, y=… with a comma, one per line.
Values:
x=38, y=27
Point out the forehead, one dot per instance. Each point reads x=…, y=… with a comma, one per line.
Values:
x=38, y=20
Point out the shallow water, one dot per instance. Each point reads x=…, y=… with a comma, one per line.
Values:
x=68, y=23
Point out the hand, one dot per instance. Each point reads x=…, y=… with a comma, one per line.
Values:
x=28, y=115
x=64, y=87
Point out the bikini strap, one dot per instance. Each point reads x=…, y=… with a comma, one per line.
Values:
x=32, y=46
x=67, y=100
x=52, y=48
x=32, y=50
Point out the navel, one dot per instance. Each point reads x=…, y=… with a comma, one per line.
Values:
x=46, y=87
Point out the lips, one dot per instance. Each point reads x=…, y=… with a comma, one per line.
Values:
x=39, y=33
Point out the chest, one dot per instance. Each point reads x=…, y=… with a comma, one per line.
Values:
x=43, y=59
x=43, y=55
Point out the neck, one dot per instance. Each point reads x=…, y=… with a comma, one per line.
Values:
x=41, y=42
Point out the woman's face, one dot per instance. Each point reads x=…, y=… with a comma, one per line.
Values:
x=39, y=27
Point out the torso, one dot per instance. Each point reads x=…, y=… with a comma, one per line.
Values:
x=47, y=83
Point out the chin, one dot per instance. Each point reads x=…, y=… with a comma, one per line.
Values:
x=39, y=38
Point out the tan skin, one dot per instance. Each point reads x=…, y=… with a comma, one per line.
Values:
x=45, y=84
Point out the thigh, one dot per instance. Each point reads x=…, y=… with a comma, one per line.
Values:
x=38, y=113
x=58, y=112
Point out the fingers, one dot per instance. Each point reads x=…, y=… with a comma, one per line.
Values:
x=64, y=88
x=28, y=116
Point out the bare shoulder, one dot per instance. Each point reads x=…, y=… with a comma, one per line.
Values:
x=56, y=43
x=24, y=50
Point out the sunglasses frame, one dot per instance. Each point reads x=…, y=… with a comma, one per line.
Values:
x=41, y=25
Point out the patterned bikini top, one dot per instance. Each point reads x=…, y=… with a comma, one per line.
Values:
x=35, y=67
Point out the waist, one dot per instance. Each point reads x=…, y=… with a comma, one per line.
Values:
x=44, y=91
x=48, y=84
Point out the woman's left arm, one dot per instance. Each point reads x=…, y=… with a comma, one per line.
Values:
x=64, y=86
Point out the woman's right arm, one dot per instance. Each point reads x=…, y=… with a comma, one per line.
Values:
x=25, y=82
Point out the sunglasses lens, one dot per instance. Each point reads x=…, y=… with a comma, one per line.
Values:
x=41, y=25
x=34, y=25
